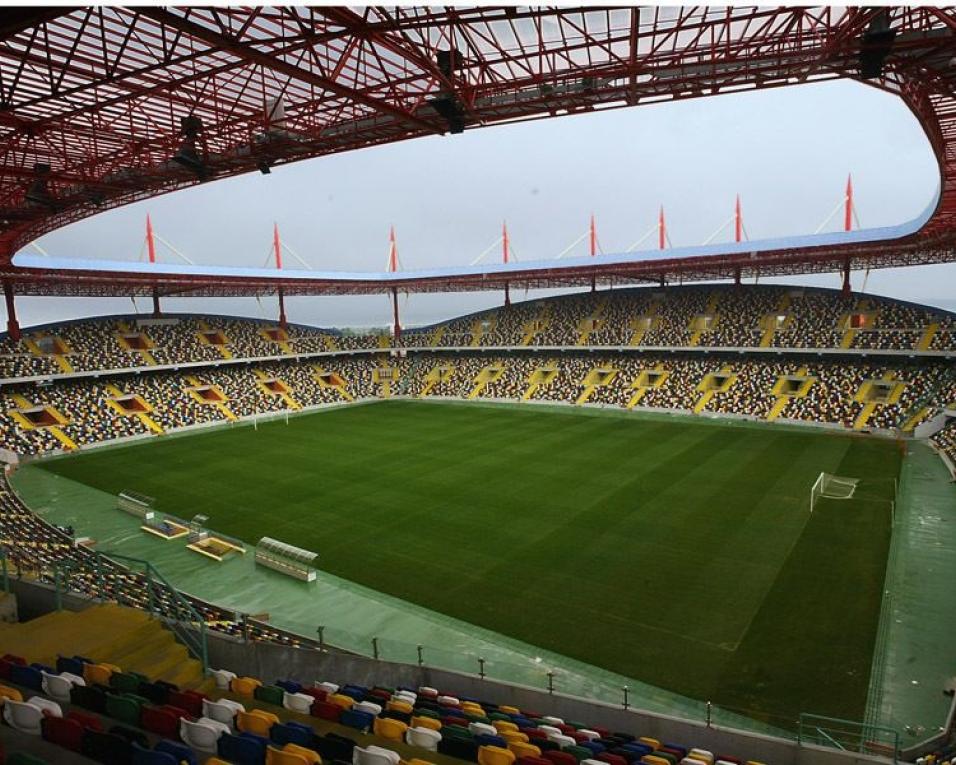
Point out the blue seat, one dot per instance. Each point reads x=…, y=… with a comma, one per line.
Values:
x=290, y=686
x=486, y=739
x=291, y=733
x=151, y=757
x=354, y=692
x=73, y=666
x=356, y=719
x=29, y=677
x=594, y=746
x=241, y=750
x=180, y=752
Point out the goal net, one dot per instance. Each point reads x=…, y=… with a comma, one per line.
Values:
x=832, y=487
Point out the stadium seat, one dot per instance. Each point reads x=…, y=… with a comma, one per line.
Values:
x=223, y=678
x=59, y=686
x=241, y=750
x=89, y=697
x=374, y=755
x=279, y=757
x=203, y=734
x=355, y=719
x=223, y=710
x=326, y=710
x=291, y=733
x=310, y=755
x=393, y=730
x=23, y=716
x=522, y=749
x=6, y=692
x=269, y=694
x=190, y=701
x=244, y=686
x=424, y=738
x=422, y=721
x=163, y=721
x=256, y=721
x=368, y=706
x=123, y=708
x=297, y=702
x=143, y=756
x=63, y=731
x=107, y=748
x=97, y=674
x=495, y=755
x=181, y=753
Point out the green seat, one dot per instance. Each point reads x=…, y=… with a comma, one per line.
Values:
x=125, y=681
x=270, y=694
x=476, y=718
x=500, y=716
x=422, y=712
x=579, y=752
x=666, y=756
x=25, y=759
x=456, y=731
x=124, y=708
x=575, y=724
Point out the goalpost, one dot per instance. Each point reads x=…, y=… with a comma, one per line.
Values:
x=832, y=487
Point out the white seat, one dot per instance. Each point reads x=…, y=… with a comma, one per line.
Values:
x=549, y=730
x=57, y=686
x=561, y=740
x=553, y=720
x=297, y=702
x=591, y=734
x=223, y=678
x=47, y=706
x=688, y=760
x=701, y=754
x=368, y=706
x=479, y=728
x=449, y=700
x=201, y=736
x=223, y=711
x=426, y=738
x=329, y=688
x=428, y=691
x=374, y=755
x=592, y=762
x=23, y=716
x=408, y=696
x=75, y=679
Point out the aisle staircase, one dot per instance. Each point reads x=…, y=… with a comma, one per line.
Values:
x=111, y=634
x=143, y=416
x=926, y=341
x=707, y=391
x=863, y=418
x=436, y=336
x=710, y=310
x=62, y=437
x=223, y=350
x=766, y=340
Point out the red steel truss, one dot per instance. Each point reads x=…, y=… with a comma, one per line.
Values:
x=98, y=96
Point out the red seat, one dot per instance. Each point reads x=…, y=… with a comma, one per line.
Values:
x=15, y=659
x=602, y=732
x=325, y=710
x=533, y=761
x=319, y=694
x=86, y=719
x=534, y=733
x=188, y=701
x=566, y=729
x=560, y=758
x=612, y=759
x=63, y=731
x=161, y=721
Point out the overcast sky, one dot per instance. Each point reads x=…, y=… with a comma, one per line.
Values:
x=786, y=151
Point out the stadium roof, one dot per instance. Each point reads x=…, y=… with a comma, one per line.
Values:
x=100, y=107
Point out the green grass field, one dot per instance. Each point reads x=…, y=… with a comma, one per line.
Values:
x=676, y=551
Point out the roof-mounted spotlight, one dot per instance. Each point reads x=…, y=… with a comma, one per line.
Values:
x=264, y=165
x=187, y=156
x=447, y=104
x=38, y=192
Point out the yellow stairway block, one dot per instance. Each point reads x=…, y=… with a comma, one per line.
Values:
x=62, y=437
x=911, y=422
x=32, y=346
x=703, y=401
x=21, y=401
x=291, y=402
x=532, y=388
x=927, y=339
x=778, y=406
x=224, y=352
x=527, y=337
x=226, y=411
x=437, y=335
x=767, y=338
x=848, y=336
x=428, y=388
x=64, y=364
x=113, y=390
x=147, y=358
x=343, y=392
x=636, y=398
x=386, y=389
x=637, y=337
x=194, y=381
x=864, y=416
x=585, y=394
x=149, y=422
x=694, y=338
x=479, y=387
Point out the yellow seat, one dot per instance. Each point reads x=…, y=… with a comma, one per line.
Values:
x=9, y=693
x=471, y=706
x=244, y=686
x=426, y=722
x=97, y=674
x=111, y=667
x=506, y=710
x=399, y=706
x=653, y=742
x=512, y=736
x=653, y=759
x=256, y=721
x=495, y=755
x=311, y=756
x=504, y=725
x=416, y=761
x=281, y=757
x=341, y=700
x=523, y=749
x=216, y=761
x=393, y=730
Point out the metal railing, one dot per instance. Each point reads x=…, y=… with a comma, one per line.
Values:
x=849, y=736
x=162, y=599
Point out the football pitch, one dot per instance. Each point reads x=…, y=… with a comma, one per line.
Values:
x=676, y=551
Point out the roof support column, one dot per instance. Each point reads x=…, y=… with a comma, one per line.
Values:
x=282, y=321
x=846, y=277
x=737, y=276
x=13, y=326
x=156, y=309
x=396, y=328
x=507, y=295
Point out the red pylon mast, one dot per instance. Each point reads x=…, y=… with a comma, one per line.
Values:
x=504, y=258
x=393, y=268
x=661, y=230
x=277, y=249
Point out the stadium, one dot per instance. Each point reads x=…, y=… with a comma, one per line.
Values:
x=677, y=508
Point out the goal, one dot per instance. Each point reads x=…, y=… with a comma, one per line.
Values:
x=832, y=487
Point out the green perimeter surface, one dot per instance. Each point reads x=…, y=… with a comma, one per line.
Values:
x=678, y=552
